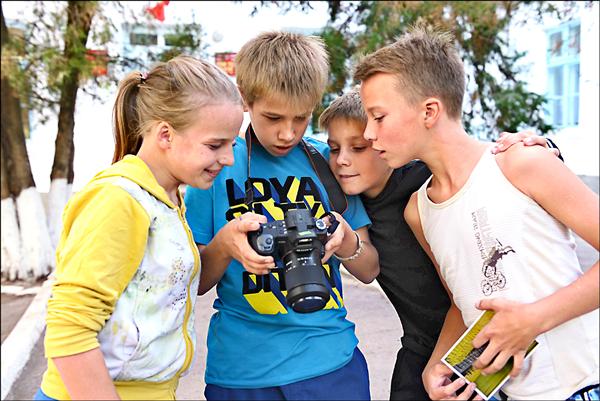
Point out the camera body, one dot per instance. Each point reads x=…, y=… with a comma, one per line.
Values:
x=299, y=241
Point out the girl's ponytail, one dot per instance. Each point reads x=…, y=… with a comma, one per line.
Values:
x=128, y=138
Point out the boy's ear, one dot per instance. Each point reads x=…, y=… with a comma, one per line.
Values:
x=433, y=109
x=164, y=135
x=243, y=98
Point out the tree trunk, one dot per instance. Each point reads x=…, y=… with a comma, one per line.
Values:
x=79, y=21
x=9, y=234
x=29, y=222
x=17, y=161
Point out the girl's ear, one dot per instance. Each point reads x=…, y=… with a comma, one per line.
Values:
x=164, y=134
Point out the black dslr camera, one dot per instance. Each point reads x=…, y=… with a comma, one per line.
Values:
x=299, y=241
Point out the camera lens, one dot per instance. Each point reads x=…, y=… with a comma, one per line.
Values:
x=310, y=303
x=305, y=281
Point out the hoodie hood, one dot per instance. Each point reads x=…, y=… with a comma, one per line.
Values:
x=133, y=168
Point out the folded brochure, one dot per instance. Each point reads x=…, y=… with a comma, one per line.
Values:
x=462, y=355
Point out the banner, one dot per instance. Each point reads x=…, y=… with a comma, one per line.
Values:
x=225, y=62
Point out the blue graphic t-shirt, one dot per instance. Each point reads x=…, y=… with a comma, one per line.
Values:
x=254, y=339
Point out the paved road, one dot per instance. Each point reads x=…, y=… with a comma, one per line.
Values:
x=377, y=327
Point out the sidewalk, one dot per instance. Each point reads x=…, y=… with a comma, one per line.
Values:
x=377, y=327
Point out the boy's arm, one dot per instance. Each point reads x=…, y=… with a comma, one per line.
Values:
x=436, y=375
x=528, y=138
x=562, y=194
x=345, y=243
x=231, y=242
x=217, y=250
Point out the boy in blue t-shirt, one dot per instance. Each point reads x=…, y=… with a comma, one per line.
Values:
x=258, y=347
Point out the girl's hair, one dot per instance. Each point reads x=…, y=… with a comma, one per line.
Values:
x=172, y=92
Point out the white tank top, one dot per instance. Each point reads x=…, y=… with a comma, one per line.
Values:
x=493, y=241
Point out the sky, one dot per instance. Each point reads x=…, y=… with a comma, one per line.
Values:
x=227, y=26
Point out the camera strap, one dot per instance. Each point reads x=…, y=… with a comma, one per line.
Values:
x=335, y=195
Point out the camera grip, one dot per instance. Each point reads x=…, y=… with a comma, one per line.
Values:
x=262, y=243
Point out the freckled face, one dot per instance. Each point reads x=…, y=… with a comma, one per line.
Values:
x=357, y=167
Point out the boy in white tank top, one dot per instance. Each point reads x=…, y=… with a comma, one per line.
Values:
x=496, y=227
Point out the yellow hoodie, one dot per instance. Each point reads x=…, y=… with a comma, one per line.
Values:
x=126, y=281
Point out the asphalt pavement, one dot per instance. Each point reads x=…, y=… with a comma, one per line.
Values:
x=377, y=326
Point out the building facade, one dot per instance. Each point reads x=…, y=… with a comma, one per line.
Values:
x=562, y=64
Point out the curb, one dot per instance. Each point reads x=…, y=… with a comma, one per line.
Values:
x=16, y=348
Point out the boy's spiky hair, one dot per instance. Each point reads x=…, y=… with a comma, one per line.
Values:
x=425, y=63
x=347, y=106
x=284, y=64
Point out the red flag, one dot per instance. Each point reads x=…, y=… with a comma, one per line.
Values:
x=158, y=11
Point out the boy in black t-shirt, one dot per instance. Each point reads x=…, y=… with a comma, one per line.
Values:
x=407, y=276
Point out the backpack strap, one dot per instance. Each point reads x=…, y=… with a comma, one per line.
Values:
x=337, y=198
x=249, y=189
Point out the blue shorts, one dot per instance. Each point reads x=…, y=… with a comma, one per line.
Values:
x=350, y=382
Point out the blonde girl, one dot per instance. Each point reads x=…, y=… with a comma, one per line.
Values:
x=120, y=319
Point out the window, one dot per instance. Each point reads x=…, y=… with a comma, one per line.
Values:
x=179, y=39
x=143, y=39
x=563, y=74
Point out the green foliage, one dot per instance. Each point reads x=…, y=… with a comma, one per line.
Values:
x=36, y=64
x=187, y=39
x=35, y=61
x=496, y=102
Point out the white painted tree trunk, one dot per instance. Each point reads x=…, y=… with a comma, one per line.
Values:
x=37, y=253
x=10, y=239
x=60, y=192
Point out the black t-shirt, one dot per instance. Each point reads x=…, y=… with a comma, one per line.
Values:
x=407, y=275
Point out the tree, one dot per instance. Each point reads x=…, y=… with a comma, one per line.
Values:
x=43, y=70
x=79, y=21
x=497, y=98
x=26, y=249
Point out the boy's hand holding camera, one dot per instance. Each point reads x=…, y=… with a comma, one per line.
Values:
x=233, y=238
x=342, y=241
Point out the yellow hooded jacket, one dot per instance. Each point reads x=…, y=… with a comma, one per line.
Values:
x=126, y=281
